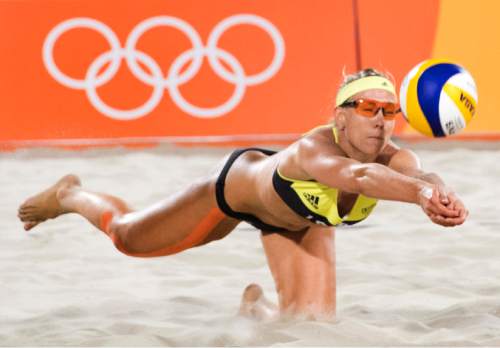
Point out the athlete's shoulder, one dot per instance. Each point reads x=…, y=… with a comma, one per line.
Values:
x=402, y=158
x=388, y=152
x=323, y=129
x=321, y=140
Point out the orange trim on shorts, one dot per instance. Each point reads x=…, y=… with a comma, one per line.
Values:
x=199, y=233
x=106, y=218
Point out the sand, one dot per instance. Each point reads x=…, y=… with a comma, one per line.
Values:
x=401, y=279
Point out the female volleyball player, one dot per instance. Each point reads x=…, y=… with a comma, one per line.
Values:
x=333, y=175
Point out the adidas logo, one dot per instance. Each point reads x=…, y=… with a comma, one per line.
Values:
x=367, y=210
x=314, y=200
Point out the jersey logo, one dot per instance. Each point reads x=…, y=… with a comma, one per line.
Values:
x=368, y=210
x=314, y=200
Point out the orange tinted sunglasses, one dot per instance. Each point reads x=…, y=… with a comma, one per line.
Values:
x=370, y=107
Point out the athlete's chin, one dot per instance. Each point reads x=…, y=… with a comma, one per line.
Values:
x=373, y=145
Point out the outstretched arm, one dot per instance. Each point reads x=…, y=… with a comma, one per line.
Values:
x=408, y=163
x=374, y=180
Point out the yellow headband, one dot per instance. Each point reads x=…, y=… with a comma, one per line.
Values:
x=363, y=84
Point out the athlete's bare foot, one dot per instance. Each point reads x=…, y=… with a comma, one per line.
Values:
x=45, y=204
x=255, y=305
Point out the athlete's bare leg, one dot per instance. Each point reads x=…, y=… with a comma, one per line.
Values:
x=45, y=205
x=186, y=219
x=303, y=267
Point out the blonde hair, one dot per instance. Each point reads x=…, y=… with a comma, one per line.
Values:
x=363, y=73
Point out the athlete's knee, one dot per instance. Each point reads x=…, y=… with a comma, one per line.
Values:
x=121, y=232
x=128, y=236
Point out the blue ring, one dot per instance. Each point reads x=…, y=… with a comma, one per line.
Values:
x=429, y=88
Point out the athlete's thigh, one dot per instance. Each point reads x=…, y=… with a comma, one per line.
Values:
x=176, y=217
x=303, y=266
x=223, y=228
x=314, y=242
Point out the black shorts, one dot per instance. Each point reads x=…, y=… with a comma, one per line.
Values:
x=221, y=200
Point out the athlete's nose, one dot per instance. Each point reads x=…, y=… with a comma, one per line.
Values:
x=379, y=118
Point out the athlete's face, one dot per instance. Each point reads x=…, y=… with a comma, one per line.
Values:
x=363, y=120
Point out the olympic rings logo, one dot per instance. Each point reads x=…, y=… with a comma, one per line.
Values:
x=155, y=78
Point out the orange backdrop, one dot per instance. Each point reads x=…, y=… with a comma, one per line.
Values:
x=318, y=40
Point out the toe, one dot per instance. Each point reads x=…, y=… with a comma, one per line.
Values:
x=27, y=218
x=30, y=224
x=25, y=209
x=24, y=216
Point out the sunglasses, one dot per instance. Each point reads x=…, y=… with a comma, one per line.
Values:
x=369, y=108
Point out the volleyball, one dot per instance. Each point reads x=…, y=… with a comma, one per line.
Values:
x=438, y=98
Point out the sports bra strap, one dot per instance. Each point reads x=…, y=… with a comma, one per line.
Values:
x=335, y=134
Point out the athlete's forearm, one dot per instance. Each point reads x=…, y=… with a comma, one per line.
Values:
x=431, y=178
x=378, y=181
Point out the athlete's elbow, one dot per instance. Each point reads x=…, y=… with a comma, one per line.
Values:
x=363, y=178
x=353, y=178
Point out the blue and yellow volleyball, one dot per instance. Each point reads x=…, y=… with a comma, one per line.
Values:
x=438, y=98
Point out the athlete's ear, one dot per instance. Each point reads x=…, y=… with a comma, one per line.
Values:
x=339, y=117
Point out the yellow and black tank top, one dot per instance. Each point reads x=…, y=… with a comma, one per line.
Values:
x=319, y=203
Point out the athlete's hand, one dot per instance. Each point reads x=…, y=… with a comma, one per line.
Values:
x=454, y=203
x=442, y=206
